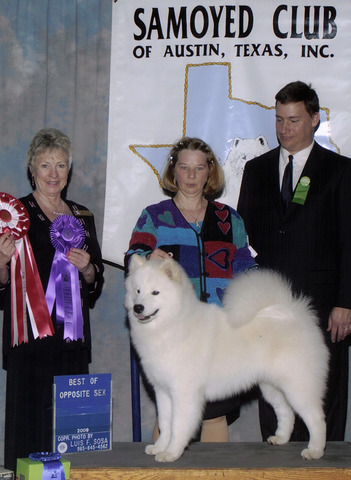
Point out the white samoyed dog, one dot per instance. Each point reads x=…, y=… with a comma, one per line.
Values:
x=193, y=352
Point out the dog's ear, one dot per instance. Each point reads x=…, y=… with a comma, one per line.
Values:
x=135, y=262
x=171, y=268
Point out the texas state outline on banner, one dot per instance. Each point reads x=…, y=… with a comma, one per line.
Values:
x=247, y=127
x=226, y=98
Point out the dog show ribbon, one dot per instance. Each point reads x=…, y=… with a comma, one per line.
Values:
x=302, y=190
x=66, y=232
x=26, y=287
x=52, y=466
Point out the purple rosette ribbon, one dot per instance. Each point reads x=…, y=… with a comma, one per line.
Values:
x=66, y=232
x=52, y=466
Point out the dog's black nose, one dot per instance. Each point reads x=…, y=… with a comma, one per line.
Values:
x=138, y=308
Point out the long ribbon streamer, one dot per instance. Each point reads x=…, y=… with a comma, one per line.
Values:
x=63, y=286
x=26, y=289
x=38, y=311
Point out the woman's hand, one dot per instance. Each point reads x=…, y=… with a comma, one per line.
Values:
x=7, y=249
x=158, y=254
x=81, y=260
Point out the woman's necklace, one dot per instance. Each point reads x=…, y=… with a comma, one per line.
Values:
x=50, y=209
x=53, y=211
x=196, y=218
x=197, y=223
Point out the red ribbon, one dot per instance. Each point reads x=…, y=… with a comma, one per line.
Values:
x=38, y=311
x=26, y=287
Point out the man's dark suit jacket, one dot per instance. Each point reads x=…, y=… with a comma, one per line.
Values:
x=310, y=243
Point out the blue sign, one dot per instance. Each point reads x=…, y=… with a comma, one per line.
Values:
x=82, y=413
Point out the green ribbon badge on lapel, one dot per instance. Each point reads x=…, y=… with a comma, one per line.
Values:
x=302, y=190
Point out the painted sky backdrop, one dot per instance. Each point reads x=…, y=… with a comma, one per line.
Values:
x=55, y=63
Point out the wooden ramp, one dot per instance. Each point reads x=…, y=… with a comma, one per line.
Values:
x=228, y=461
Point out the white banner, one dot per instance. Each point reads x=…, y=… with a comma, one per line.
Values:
x=212, y=70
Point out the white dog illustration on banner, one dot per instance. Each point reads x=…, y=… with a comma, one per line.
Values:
x=193, y=352
x=243, y=149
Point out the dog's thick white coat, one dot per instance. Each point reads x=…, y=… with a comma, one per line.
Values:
x=192, y=352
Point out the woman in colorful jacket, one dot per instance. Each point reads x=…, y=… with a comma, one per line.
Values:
x=206, y=237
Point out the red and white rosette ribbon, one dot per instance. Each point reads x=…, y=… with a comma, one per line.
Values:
x=26, y=287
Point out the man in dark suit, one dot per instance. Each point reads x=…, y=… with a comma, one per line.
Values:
x=306, y=235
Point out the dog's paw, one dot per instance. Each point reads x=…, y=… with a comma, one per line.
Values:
x=312, y=453
x=152, y=449
x=277, y=440
x=167, y=456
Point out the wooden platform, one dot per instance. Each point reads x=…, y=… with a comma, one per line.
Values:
x=239, y=461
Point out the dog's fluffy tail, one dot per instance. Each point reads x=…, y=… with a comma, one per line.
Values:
x=254, y=290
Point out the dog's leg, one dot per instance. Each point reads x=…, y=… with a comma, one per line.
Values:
x=310, y=409
x=283, y=411
x=186, y=417
x=315, y=422
x=164, y=412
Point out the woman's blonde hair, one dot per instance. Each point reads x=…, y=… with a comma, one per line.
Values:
x=215, y=181
x=49, y=139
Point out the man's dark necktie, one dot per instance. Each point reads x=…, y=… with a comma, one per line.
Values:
x=287, y=189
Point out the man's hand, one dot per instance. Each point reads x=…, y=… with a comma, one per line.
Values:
x=339, y=324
